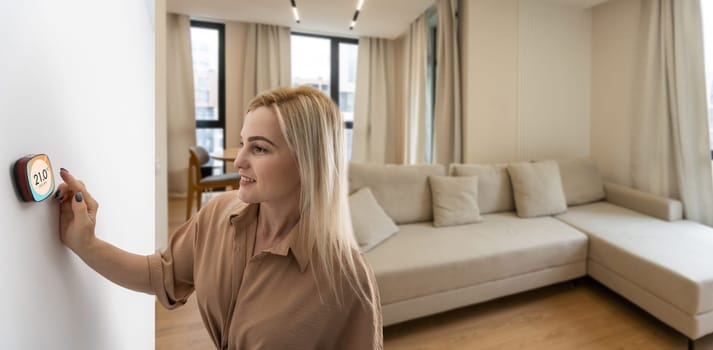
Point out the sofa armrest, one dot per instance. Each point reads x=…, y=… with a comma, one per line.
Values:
x=644, y=202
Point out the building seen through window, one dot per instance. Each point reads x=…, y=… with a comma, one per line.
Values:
x=329, y=65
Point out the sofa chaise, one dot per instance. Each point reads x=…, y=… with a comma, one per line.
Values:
x=428, y=259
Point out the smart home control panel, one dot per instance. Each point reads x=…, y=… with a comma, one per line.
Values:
x=33, y=177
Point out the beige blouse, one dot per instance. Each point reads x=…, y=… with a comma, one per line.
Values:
x=266, y=301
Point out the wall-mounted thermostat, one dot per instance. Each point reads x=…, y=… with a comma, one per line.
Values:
x=33, y=177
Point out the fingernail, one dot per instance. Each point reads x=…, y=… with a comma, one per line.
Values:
x=78, y=196
x=56, y=194
x=63, y=169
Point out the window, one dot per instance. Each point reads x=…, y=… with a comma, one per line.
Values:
x=208, y=49
x=707, y=14
x=328, y=64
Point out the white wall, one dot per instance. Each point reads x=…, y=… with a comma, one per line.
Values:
x=554, y=84
x=527, y=72
x=76, y=83
x=489, y=39
x=161, y=147
x=615, y=33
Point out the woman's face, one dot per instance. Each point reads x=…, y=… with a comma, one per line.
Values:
x=267, y=167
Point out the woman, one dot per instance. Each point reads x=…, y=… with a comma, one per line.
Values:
x=275, y=265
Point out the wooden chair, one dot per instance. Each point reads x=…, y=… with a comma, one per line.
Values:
x=197, y=184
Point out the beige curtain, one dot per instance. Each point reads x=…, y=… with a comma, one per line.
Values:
x=181, y=120
x=415, y=84
x=257, y=58
x=267, y=60
x=374, y=107
x=447, y=131
x=670, y=151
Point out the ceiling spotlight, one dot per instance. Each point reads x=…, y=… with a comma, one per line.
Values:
x=356, y=14
x=294, y=11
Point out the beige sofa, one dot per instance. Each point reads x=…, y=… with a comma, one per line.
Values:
x=634, y=243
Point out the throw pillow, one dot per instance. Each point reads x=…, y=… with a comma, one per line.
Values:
x=581, y=181
x=401, y=190
x=537, y=188
x=371, y=224
x=494, y=188
x=455, y=200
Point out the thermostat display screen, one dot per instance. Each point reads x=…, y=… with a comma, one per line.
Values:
x=41, y=181
x=33, y=177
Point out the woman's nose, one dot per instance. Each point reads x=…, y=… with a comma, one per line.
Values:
x=239, y=162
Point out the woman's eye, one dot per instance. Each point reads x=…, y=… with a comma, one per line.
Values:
x=241, y=144
x=258, y=149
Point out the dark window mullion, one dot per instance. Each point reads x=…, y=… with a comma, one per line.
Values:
x=221, y=83
x=334, y=81
x=221, y=87
x=220, y=123
x=209, y=124
x=334, y=69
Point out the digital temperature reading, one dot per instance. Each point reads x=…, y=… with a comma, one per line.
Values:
x=33, y=178
x=40, y=178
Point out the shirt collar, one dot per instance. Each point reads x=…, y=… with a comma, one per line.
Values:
x=242, y=211
x=246, y=213
x=292, y=243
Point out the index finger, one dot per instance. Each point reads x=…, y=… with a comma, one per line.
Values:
x=74, y=184
x=78, y=186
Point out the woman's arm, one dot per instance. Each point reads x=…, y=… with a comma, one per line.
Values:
x=121, y=267
x=78, y=212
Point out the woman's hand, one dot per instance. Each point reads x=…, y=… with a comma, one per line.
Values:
x=78, y=213
x=77, y=220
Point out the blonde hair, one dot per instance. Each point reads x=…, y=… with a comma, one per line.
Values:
x=313, y=127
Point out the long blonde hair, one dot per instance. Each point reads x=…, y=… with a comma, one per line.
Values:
x=313, y=127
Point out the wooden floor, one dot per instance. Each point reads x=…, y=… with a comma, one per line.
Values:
x=564, y=316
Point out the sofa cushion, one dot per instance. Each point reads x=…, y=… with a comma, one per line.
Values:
x=537, y=188
x=581, y=181
x=402, y=190
x=494, y=188
x=670, y=259
x=370, y=222
x=422, y=260
x=455, y=200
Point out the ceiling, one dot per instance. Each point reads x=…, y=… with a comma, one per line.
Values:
x=378, y=18
x=579, y=3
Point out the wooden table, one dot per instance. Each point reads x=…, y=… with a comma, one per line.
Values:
x=229, y=154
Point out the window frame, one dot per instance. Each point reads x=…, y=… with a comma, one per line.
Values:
x=220, y=123
x=334, y=42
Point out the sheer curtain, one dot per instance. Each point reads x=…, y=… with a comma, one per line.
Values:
x=415, y=84
x=384, y=134
x=671, y=150
x=374, y=102
x=447, y=132
x=181, y=121
x=390, y=100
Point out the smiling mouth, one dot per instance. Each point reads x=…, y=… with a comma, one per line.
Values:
x=246, y=179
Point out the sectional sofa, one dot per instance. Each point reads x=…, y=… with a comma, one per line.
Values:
x=439, y=240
